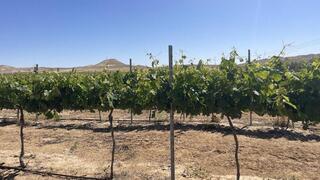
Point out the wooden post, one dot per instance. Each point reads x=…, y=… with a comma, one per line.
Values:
x=100, y=117
x=250, y=114
x=130, y=65
x=37, y=117
x=36, y=68
x=18, y=116
x=171, y=117
x=131, y=114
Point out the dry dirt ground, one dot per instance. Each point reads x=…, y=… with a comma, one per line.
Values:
x=204, y=150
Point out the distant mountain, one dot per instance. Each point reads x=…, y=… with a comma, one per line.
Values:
x=108, y=64
x=300, y=58
x=5, y=68
x=111, y=62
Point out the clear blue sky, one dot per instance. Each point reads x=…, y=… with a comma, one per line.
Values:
x=81, y=32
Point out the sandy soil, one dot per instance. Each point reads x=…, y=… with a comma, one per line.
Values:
x=203, y=150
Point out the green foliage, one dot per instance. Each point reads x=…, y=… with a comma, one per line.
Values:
x=229, y=90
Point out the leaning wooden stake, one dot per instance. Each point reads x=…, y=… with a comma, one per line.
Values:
x=21, y=138
x=113, y=143
x=171, y=118
x=237, y=147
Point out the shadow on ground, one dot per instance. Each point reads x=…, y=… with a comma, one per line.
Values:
x=183, y=127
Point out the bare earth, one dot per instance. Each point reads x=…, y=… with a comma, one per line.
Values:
x=203, y=150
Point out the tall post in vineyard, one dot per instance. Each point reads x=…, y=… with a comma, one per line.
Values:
x=130, y=63
x=131, y=115
x=250, y=114
x=171, y=117
x=35, y=70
